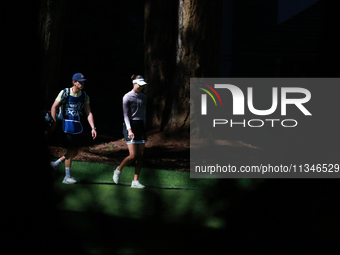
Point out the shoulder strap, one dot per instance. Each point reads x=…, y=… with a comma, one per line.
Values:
x=65, y=95
x=85, y=96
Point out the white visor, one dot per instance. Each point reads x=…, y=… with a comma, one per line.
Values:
x=140, y=82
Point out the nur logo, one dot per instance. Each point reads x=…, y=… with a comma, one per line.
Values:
x=239, y=99
x=204, y=97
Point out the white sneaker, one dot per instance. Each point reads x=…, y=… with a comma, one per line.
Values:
x=54, y=169
x=54, y=166
x=136, y=184
x=69, y=180
x=116, y=175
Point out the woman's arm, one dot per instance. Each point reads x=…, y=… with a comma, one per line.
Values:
x=144, y=114
x=126, y=117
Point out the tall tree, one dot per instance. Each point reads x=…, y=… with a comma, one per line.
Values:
x=29, y=201
x=182, y=40
x=51, y=34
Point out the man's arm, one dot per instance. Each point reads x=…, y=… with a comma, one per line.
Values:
x=54, y=108
x=90, y=119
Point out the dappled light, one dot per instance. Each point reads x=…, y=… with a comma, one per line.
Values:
x=173, y=203
x=168, y=42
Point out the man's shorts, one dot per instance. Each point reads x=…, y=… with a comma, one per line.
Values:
x=71, y=141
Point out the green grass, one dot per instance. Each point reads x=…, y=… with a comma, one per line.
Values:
x=173, y=191
x=167, y=205
x=117, y=219
x=173, y=214
x=85, y=172
x=172, y=211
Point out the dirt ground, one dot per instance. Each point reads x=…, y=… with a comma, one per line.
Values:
x=160, y=152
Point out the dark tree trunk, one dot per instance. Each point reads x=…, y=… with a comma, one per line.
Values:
x=182, y=40
x=28, y=203
x=161, y=30
x=51, y=31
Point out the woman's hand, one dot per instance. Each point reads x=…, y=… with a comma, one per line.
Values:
x=131, y=135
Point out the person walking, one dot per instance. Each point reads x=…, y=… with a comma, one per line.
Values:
x=70, y=102
x=134, y=129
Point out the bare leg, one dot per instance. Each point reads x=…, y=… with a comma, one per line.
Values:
x=129, y=159
x=136, y=155
x=139, y=160
x=71, y=153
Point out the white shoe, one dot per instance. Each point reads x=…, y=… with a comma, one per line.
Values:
x=54, y=166
x=136, y=184
x=116, y=175
x=69, y=180
x=54, y=169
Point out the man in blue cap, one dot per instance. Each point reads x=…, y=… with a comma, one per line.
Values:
x=71, y=101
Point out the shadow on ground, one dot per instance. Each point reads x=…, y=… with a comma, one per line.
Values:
x=277, y=215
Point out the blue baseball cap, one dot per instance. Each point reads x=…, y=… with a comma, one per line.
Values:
x=78, y=77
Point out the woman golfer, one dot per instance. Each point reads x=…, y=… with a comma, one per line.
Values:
x=134, y=108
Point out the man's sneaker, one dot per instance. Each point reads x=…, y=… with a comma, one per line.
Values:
x=54, y=166
x=69, y=180
x=136, y=184
x=116, y=174
x=54, y=169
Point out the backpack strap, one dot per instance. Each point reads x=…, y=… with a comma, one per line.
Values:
x=64, y=97
x=85, y=96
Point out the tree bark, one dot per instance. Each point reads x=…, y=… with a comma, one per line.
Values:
x=182, y=40
x=160, y=31
x=51, y=31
